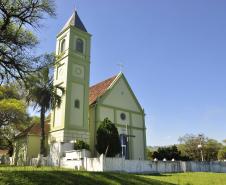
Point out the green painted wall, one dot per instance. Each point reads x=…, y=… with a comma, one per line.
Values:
x=28, y=147
x=72, y=72
x=111, y=105
x=33, y=146
x=92, y=124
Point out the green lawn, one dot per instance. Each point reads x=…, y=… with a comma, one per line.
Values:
x=55, y=176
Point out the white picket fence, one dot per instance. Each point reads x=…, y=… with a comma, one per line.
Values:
x=140, y=166
x=104, y=164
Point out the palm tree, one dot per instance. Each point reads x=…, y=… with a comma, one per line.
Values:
x=45, y=96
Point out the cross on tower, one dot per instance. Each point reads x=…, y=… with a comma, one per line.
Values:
x=121, y=66
x=75, y=7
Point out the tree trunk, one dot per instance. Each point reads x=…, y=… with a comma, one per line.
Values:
x=42, y=122
x=106, y=151
x=42, y=138
x=16, y=153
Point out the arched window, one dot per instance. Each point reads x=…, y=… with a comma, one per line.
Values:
x=77, y=104
x=79, y=45
x=62, y=46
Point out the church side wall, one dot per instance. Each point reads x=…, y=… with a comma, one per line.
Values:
x=92, y=130
x=133, y=126
x=121, y=100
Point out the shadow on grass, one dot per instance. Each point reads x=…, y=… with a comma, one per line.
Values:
x=156, y=174
x=131, y=179
x=55, y=177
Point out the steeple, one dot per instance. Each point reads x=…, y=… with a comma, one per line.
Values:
x=72, y=72
x=75, y=21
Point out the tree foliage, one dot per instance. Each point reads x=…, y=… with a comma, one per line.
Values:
x=12, y=107
x=108, y=141
x=222, y=153
x=224, y=141
x=79, y=145
x=13, y=116
x=149, y=153
x=189, y=147
x=168, y=153
x=17, y=19
x=211, y=149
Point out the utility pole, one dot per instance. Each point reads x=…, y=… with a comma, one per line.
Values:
x=200, y=146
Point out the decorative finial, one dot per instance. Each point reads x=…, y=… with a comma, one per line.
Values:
x=121, y=66
x=75, y=9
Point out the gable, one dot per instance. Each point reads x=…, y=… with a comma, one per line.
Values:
x=120, y=95
x=34, y=129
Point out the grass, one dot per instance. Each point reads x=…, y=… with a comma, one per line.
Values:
x=57, y=176
x=198, y=178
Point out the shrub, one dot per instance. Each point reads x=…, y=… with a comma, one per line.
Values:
x=108, y=141
x=79, y=145
x=222, y=154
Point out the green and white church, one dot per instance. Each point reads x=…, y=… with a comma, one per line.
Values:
x=83, y=107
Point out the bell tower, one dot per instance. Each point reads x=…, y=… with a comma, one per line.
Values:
x=69, y=122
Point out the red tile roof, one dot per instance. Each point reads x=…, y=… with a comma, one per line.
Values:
x=34, y=129
x=99, y=89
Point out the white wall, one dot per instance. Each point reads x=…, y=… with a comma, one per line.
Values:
x=140, y=166
x=103, y=164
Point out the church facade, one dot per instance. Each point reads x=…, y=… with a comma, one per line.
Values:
x=83, y=108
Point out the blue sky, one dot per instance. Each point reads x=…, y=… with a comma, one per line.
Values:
x=174, y=53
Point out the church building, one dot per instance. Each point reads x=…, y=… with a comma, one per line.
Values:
x=83, y=108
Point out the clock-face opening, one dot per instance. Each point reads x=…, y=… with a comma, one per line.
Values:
x=78, y=71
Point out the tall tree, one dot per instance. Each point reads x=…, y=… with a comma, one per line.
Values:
x=13, y=116
x=196, y=147
x=17, y=20
x=211, y=149
x=224, y=141
x=44, y=95
x=222, y=152
x=189, y=146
